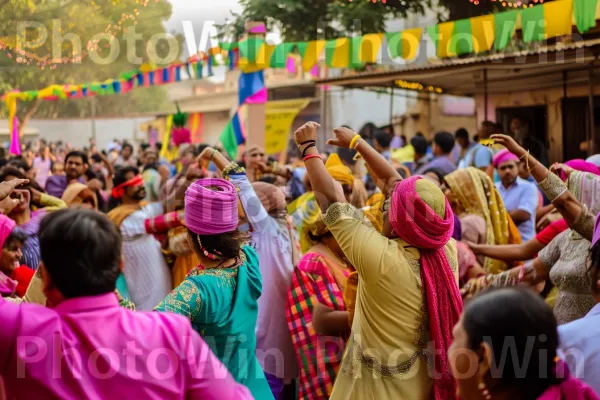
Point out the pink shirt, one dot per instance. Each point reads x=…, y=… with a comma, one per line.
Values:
x=92, y=348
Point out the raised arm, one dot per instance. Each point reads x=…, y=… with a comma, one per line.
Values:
x=255, y=212
x=377, y=165
x=322, y=183
x=555, y=189
x=509, y=252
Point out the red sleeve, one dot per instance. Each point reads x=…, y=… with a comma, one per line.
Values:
x=23, y=276
x=551, y=231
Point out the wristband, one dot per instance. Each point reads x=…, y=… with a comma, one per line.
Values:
x=212, y=155
x=308, y=157
x=354, y=141
x=306, y=148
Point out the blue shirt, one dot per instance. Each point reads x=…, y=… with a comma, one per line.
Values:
x=477, y=156
x=580, y=347
x=441, y=162
x=521, y=195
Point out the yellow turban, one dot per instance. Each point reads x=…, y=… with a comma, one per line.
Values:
x=339, y=171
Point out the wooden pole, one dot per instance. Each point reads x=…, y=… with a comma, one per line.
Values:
x=592, y=128
x=255, y=113
x=485, y=94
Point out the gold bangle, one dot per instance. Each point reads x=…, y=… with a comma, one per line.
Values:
x=354, y=141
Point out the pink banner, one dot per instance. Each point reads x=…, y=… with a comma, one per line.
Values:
x=15, y=147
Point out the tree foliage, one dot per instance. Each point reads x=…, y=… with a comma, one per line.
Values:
x=302, y=20
x=84, y=20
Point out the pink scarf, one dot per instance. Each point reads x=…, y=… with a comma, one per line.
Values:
x=417, y=224
x=569, y=389
x=580, y=165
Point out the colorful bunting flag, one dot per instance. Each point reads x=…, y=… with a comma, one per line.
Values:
x=461, y=41
x=232, y=136
x=585, y=14
x=280, y=55
x=310, y=52
x=483, y=33
x=337, y=53
x=504, y=28
x=558, y=15
x=404, y=44
x=369, y=46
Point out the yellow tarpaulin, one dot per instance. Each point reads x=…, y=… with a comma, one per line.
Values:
x=280, y=116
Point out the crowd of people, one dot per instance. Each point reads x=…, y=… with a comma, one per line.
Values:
x=461, y=267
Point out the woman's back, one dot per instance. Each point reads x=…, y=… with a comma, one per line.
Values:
x=222, y=304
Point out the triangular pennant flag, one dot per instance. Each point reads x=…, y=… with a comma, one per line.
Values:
x=533, y=23
x=355, y=49
x=310, y=52
x=280, y=55
x=558, y=15
x=368, y=48
x=504, y=27
x=585, y=14
x=337, y=53
x=228, y=141
x=404, y=44
x=461, y=41
x=483, y=33
x=250, y=49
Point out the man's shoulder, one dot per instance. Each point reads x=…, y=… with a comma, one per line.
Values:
x=161, y=321
x=579, y=330
x=526, y=184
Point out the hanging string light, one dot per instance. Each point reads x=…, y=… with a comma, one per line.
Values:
x=510, y=3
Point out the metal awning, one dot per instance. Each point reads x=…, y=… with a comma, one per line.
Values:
x=537, y=69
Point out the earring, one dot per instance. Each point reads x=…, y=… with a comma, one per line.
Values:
x=484, y=390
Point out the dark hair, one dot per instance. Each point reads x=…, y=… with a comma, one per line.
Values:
x=420, y=144
x=127, y=145
x=347, y=155
x=81, y=251
x=383, y=138
x=19, y=162
x=227, y=244
x=461, y=133
x=402, y=172
x=445, y=141
x=119, y=178
x=270, y=178
x=523, y=327
x=16, y=235
x=96, y=158
x=437, y=171
x=77, y=153
x=367, y=130
x=12, y=171
x=144, y=146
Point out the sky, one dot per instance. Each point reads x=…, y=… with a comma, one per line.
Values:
x=199, y=11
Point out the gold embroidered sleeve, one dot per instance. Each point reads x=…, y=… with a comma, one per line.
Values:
x=553, y=187
x=184, y=300
x=584, y=224
x=233, y=169
x=339, y=211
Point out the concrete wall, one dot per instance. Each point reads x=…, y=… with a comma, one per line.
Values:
x=79, y=131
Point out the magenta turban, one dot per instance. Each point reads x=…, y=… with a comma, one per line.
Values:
x=211, y=207
x=503, y=156
x=580, y=165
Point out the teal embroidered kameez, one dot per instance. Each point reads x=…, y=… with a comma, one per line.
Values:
x=222, y=304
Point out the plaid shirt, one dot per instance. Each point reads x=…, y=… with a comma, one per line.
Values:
x=318, y=357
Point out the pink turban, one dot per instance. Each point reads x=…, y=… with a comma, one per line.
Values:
x=6, y=227
x=580, y=165
x=211, y=207
x=503, y=156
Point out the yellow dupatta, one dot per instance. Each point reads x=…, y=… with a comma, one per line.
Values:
x=476, y=194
